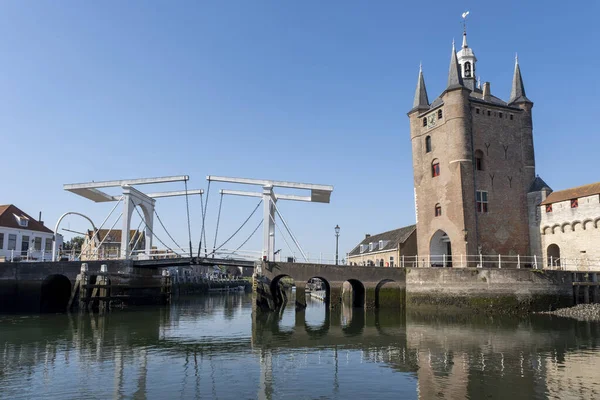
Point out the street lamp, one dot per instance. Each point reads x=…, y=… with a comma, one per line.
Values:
x=337, y=239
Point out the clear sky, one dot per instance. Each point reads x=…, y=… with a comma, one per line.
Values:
x=307, y=91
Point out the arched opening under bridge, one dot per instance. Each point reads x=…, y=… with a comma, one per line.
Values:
x=55, y=294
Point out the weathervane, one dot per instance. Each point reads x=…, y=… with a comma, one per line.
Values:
x=464, y=17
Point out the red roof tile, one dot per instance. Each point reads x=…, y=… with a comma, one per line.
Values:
x=573, y=193
x=8, y=220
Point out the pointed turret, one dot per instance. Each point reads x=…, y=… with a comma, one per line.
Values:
x=517, y=93
x=454, y=75
x=421, y=100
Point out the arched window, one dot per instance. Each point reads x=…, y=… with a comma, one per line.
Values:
x=467, y=69
x=427, y=144
x=553, y=255
x=435, y=168
x=479, y=160
x=425, y=121
x=440, y=114
x=438, y=210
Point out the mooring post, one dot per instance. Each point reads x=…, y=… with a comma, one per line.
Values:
x=480, y=260
x=83, y=289
x=444, y=260
x=518, y=261
x=103, y=277
x=499, y=261
x=165, y=288
x=535, y=261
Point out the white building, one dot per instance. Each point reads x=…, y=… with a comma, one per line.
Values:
x=22, y=237
x=570, y=228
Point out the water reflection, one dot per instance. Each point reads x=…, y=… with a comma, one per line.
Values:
x=220, y=346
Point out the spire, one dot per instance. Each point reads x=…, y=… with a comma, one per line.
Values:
x=421, y=100
x=517, y=93
x=465, y=45
x=454, y=76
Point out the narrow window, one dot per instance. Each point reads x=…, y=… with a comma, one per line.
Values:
x=37, y=243
x=548, y=208
x=489, y=113
x=48, y=244
x=500, y=115
x=12, y=242
x=438, y=210
x=479, y=160
x=371, y=246
x=435, y=168
x=427, y=144
x=477, y=111
x=391, y=262
x=574, y=203
x=424, y=121
x=1, y=240
x=381, y=262
x=482, y=201
x=440, y=113
x=380, y=244
x=24, y=245
x=511, y=117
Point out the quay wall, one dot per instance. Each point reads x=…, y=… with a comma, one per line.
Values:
x=22, y=283
x=488, y=290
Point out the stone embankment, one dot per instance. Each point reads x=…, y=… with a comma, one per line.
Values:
x=582, y=312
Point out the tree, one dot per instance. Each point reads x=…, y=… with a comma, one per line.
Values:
x=74, y=244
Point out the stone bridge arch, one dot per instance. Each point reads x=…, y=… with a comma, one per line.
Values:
x=55, y=294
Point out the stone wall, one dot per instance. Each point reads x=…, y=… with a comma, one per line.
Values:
x=576, y=231
x=488, y=290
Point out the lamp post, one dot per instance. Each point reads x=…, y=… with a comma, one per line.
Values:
x=337, y=239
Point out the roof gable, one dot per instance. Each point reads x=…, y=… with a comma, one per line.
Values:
x=8, y=220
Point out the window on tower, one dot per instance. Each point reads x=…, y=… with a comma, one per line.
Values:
x=548, y=208
x=435, y=168
x=479, y=160
x=467, y=69
x=574, y=203
x=428, y=144
x=440, y=114
x=438, y=210
x=425, y=121
x=482, y=201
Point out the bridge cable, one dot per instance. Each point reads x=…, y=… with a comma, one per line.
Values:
x=252, y=234
x=203, y=232
x=105, y=237
x=101, y=225
x=283, y=236
x=168, y=234
x=290, y=232
x=153, y=234
x=218, y=220
x=139, y=236
x=138, y=229
x=240, y=228
x=187, y=207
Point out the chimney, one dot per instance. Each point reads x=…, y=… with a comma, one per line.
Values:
x=487, y=93
x=368, y=235
x=40, y=219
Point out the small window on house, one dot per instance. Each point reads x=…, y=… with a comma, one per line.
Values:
x=37, y=243
x=1, y=240
x=511, y=117
x=438, y=210
x=477, y=111
x=500, y=114
x=381, y=262
x=362, y=248
x=371, y=246
x=380, y=244
x=435, y=168
x=392, y=262
x=427, y=144
x=574, y=203
x=48, y=244
x=489, y=113
x=23, y=222
x=482, y=201
x=479, y=160
x=440, y=113
x=548, y=208
x=424, y=121
x=12, y=242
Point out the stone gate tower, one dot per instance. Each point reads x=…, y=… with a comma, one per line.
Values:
x=473, y=164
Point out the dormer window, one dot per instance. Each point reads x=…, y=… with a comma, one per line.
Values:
x=371, y=246
x=381, y=244
x=363, y=248
x=22, y=220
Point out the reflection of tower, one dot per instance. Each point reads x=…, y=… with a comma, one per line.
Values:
x=441, y=372
x=118, y=373
x=265, y=388
x=141, y=386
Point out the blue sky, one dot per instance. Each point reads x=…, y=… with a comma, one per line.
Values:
x=307, y=91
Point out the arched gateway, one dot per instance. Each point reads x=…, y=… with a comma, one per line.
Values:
x=440, y=250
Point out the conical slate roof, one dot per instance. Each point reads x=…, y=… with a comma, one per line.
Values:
x=517, y=93
x=538, y=184
x=421, y=99
x=454, y=77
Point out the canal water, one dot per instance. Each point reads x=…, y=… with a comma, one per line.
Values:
x=219, y=347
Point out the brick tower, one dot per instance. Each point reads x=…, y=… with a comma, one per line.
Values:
x=473, y=164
